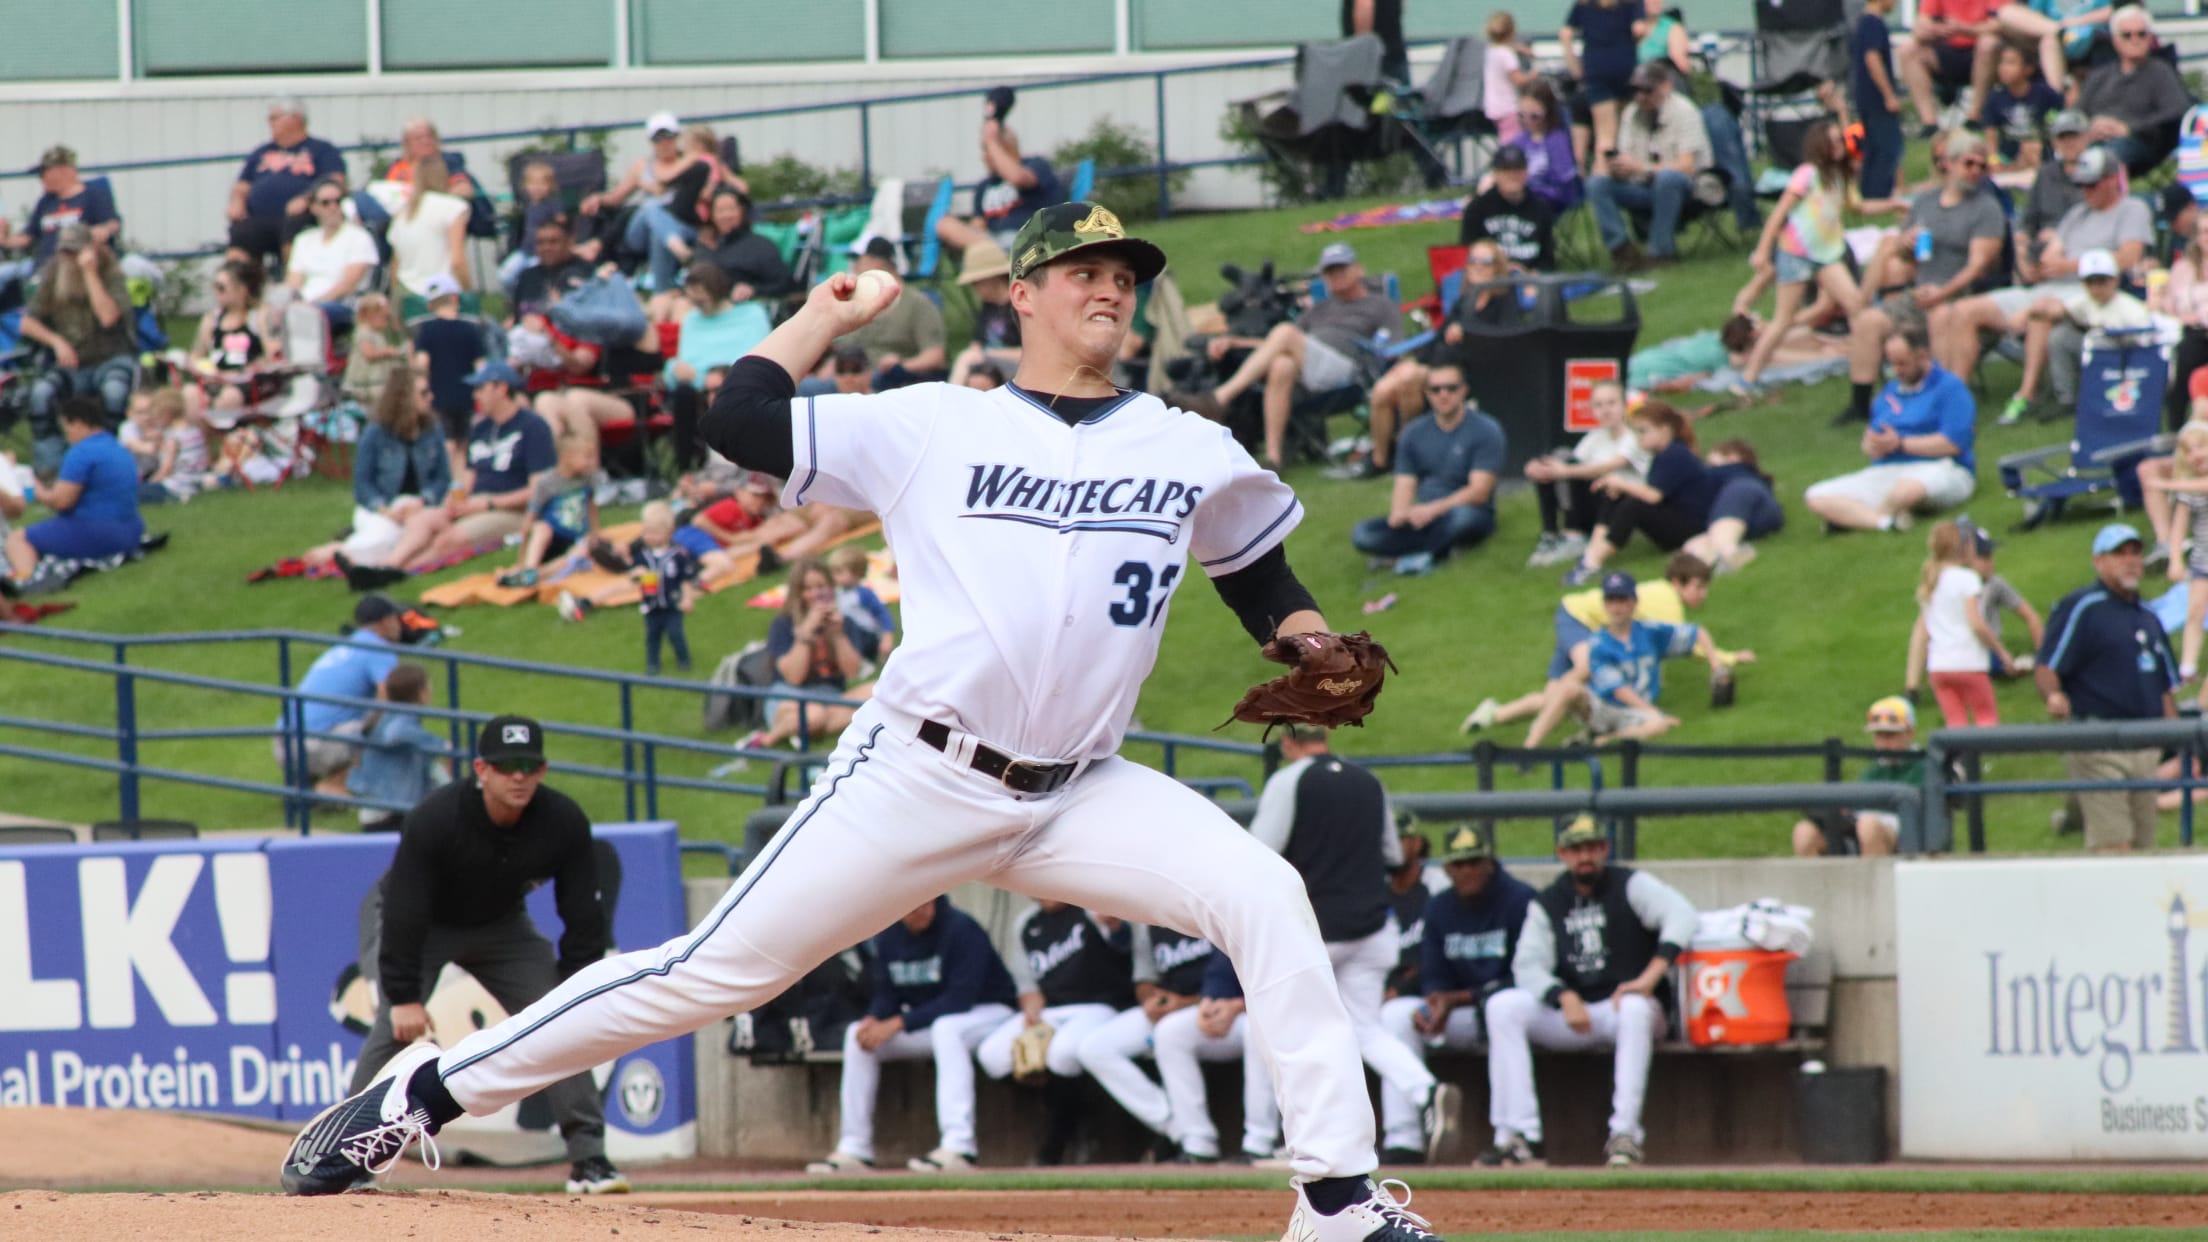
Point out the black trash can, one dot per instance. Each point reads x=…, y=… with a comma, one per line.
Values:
x=1533, y=372
x=1842, y=1114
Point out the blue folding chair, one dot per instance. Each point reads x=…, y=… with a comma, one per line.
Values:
x=931, y=246
x=1084, y=180
x=2120, y=385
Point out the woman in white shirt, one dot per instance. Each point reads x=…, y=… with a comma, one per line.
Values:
x=430, y=234
x=1564, y=482
x=1952, y=640
x=329, y=264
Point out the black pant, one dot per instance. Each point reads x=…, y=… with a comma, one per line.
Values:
x=517, y=967
x=1567, y=504
x=1667, y=526
x=2191, y=354
x=667, y=625
x=685, y=404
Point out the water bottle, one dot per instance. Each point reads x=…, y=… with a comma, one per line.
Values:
x=1924, y=244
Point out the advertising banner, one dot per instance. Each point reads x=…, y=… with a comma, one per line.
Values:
x=223, y=976
x=2053, y=1009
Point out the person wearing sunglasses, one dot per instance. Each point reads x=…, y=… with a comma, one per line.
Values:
x=1446, y=466
x=329, y=263
x=1401, y=394
x=468, y=855
x=2135, y=104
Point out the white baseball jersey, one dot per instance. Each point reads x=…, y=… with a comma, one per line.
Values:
x=1038, y=558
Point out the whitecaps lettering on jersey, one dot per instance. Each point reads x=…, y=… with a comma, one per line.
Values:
x=1008, y=493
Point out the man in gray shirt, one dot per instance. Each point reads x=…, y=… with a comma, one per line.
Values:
x=2052, y=192
x=1319, y=352
x=1446, y=465
x=2136, y=102
x=1966, y=229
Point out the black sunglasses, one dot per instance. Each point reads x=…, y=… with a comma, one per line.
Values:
x=1440, y=388
x=327, y=202
x=516, y=766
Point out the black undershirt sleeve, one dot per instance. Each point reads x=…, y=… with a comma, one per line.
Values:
x=1264, y=592
x=749, y=422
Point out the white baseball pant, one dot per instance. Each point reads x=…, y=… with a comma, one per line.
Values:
x=1361, y=970
x=891, y=823
x=949, y=1039
x=1180, y=1049
x=1071, y=1023
x=1400, y=1122
x=1517, y=1020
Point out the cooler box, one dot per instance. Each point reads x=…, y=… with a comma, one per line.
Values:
x=1735, y=996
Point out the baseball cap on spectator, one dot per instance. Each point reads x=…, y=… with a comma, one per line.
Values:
x=1581, y=831
x=999, y=99
x=2094, y=166
x=374, y=607
x=661, y=123
x=875, y=248
x=1510, y=157
x=984, y=259
x=57, y=156
x=851, y=360
x=493, y=371
x=2115, y=535
x=2096, y=263
x=510, y=737
x=1892, y=714
x=2067, y=121
x=1979, y=539
x=1340, y=254
x=441, y=285
x=1648, y=75
x=72, y=237
x=1468, y=843
x=1619, y=584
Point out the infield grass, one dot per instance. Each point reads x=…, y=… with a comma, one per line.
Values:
x=1829, y=616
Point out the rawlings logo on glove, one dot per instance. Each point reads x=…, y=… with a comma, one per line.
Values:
x=1332, y=681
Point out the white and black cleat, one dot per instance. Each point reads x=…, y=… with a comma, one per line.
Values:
x=351, y=1142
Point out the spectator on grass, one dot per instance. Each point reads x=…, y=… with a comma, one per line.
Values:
x=539, y=201
x=1892, y=724
x=268, y=202
x=1966, y=229
x=1953, y=42
x=1445, y=474
x=2056, y=329
x=1744, y=507
x=2058, y=35
x=1503, y=69
x=1399, y=395
x=401, y=761
x=400, y=469
x=1382, y=19
x=816, y=647
x=1919, y=442
x=2014, y=114
x=1597, y=39
x=94, y=499
x=715, y=332
x=753, y=264
x=996, y=330
x=2106, y=657
x=904, y=344
x=429, y=236
x=558, y=272
x=1877, y=106
x=1564, y=482
x=1317, y=353
x=2053, y=193
x=418, y=144
x=1016, y=188
x=652, y=176
x=329, y=264
x=446, y=349
x=1672, y=505
x=81, y=316
x=1804, y=248
x=2185, y=298
x=353, y=669
x=1952, y=632
x=64, y=198
x=378, y=346
x=1661, y=144
x=1551, y=171
x=235, y=342
x=2135, y=104
x=668, y=229
x=1511, y=215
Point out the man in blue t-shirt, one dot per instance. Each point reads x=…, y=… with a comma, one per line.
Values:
x=1446, y=465
x=95, y=504
x=65, y=198
x=354, y=670
x=1016, y=188
x=1923, y=426
x=268, y=202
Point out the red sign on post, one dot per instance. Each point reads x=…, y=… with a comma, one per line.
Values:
x=1580, y=377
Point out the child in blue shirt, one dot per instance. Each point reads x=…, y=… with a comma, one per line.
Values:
x=858, y=603
x=563, y=512
x=1624, y=665
x=667, y=575
x=2014, y=116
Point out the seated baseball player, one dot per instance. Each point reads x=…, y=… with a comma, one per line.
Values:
x=1592, y=970
x=1471, y=931
x=1168, y=973
x=1411, y=884
x=939, y=989
x=1071, y=978
x=1892, y=724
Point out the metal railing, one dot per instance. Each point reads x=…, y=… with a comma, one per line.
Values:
x=2187, y=736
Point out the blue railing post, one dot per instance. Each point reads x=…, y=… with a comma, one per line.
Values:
x=866, y=147
x=298, y=812
x=628, y=751
x=2185, y=802
x=651, y=783
x=126, y=740
x=452, y=701
x=283, y=661
x=1165, y=172
x=1168, y=760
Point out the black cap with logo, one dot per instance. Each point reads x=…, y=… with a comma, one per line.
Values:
x=510, y=737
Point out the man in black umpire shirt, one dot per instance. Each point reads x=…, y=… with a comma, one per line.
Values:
x=468, y=855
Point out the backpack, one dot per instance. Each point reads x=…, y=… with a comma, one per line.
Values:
x=812, y=1014
x=750, y=666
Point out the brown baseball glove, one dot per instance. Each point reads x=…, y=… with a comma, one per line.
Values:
x=1030, y=1053
x=1332, y=681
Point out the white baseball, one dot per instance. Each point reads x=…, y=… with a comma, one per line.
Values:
x=872, y=283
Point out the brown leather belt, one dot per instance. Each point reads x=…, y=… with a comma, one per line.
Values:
x=1014, y=774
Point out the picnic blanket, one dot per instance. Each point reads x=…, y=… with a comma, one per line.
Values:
x=881, y=576
x=578, y=574
x=1401, y=213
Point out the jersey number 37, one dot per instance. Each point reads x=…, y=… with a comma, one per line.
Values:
x=1140, y=581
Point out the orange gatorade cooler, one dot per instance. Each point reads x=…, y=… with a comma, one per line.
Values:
x=1735, y=996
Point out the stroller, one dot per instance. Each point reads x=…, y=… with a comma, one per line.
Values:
x=1340, y=111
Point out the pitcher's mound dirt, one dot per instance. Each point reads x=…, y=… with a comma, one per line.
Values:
x=123, y=1147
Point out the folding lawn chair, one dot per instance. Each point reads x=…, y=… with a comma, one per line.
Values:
x=2120, y=384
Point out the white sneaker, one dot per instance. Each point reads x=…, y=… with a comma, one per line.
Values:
x=841, y=1162
x=1481, y=717
x=942, y=1160
x=1380, y=1218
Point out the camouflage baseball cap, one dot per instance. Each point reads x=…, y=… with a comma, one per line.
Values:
x=1582, y=831
x=1055, y=232
x=1469, y=843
